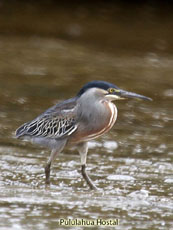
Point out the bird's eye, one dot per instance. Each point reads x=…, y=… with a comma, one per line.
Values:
x=111, y=90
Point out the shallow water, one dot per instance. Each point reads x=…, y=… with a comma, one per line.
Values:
x=131, y=165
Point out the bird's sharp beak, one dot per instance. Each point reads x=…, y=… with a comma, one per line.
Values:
x=126, y=94
x=122, y=94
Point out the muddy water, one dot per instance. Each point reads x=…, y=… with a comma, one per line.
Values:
x=132, y=164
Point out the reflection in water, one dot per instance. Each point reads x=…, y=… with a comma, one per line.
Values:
x=132, y=165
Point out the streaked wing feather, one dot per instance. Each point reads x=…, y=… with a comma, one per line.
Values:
x=56, y=122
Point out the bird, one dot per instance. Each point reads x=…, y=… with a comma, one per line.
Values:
x=74, y=122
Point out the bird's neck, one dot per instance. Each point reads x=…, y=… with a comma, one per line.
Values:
x=97, y=112
x=95, y=120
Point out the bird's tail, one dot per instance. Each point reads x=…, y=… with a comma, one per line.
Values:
x=21, y=131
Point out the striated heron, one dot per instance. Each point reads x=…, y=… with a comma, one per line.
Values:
x=74, y=122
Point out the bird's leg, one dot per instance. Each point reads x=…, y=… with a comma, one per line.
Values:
x=87, y=179
x=52, y=157
x=47, y=168
x=83, y=149
x=47, y=173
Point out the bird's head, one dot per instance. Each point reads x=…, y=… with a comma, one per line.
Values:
x=109, y=91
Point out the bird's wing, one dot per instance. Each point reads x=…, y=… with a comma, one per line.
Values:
x=58, y=121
